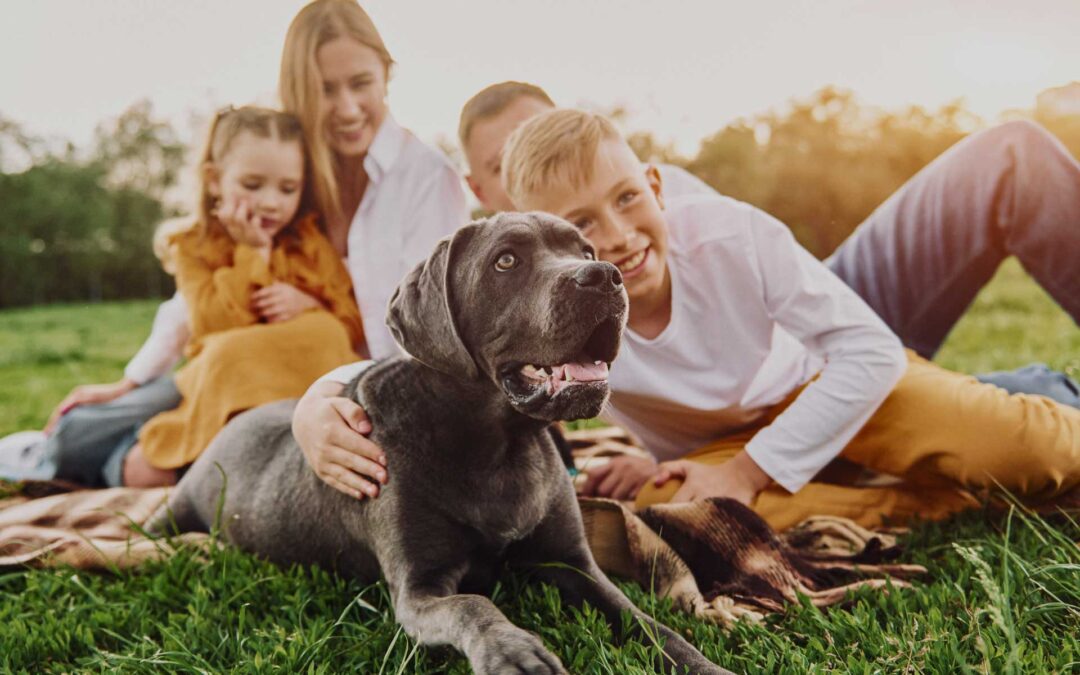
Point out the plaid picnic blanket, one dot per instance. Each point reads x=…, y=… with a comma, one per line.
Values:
x=85, y=529
x=716, y=559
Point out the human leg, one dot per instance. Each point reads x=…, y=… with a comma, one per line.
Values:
x=86, y=436
x=923, y=255
x=138, y=472
x=1038, y=379
x=938, y=428
x=869, y=506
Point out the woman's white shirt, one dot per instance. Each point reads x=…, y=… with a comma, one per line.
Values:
x=414, y=198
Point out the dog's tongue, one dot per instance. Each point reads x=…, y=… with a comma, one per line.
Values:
x=584, y=372
x=568, y=374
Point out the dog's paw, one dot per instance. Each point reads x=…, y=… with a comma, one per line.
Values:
x=513, y=650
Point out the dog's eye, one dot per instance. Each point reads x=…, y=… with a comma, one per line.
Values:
x=589, y=255
x=506, y=262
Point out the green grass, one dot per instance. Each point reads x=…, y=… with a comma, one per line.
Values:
x=1003, y=593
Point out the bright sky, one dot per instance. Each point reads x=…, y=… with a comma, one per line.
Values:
x=683, y=69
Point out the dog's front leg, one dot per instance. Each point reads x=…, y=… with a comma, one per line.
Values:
x=434, y=613
x=562, y=557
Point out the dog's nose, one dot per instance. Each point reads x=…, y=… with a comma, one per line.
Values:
x=598, y=274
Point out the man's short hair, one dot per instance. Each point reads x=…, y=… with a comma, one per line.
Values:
x=492, y=100
x=557, y=147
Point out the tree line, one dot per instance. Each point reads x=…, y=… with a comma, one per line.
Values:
x=76, y=226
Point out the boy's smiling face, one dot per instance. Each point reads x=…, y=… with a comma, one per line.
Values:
x=620, y=211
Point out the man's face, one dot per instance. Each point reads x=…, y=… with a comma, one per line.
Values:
x=620, y=212
x=484, y=149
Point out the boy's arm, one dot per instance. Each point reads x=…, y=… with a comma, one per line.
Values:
x=863, y=359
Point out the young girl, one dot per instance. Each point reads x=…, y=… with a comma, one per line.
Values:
x=243, y=285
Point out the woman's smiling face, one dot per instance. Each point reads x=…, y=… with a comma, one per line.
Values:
x=353, y=103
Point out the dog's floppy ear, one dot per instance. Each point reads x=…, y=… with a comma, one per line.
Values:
x=421, y=313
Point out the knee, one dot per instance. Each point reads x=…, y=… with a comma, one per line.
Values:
x=1023, y=135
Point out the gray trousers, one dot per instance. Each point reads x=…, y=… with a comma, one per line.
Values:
x=90, y=442
x=920, y=259
x=923, y=255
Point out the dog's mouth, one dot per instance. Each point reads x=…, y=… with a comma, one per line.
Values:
x=584, y=370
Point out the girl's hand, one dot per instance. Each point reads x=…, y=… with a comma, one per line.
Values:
x=89, y=394
x=240, y=222
x=620, y=478
x=281, y=302
x=330, y=430
x=740, y=478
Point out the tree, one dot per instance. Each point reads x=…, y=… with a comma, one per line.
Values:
x=80, y=229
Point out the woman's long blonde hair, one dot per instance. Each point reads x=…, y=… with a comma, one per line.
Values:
x=300, y=84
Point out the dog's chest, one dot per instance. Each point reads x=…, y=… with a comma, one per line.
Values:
x=510, y=504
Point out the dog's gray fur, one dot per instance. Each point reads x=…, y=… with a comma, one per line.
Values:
x=475, y=479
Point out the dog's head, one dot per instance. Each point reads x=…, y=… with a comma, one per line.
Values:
x=518, y=299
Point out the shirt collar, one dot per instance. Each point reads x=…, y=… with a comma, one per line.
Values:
x=385, y=149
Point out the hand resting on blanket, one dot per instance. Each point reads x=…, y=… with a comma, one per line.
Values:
x=620, y=478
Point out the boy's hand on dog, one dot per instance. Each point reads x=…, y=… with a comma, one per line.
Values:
x=620, y=478
x=330, y=430
x=740, y=478
x=281, y=302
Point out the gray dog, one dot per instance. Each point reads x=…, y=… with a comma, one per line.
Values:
x=511, y=324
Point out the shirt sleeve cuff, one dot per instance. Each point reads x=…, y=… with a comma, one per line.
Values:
x=792, y=481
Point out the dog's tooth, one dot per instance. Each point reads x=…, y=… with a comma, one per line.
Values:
x=531, y=372
x=569, y=376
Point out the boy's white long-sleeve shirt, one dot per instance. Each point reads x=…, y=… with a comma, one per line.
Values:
x=414, y=198
x=754, y=316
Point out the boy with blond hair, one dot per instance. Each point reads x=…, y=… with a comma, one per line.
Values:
x=747, y=367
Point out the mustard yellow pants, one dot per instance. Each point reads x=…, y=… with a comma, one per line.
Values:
x=943, y=434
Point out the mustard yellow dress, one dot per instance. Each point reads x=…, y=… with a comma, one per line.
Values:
x=235, y=362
